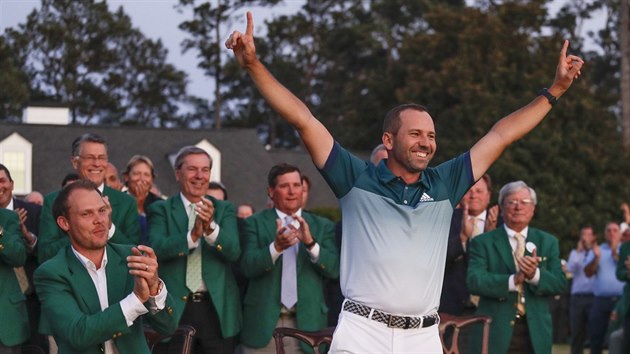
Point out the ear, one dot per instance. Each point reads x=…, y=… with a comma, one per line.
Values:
x=63, y=223
x=74, y=160
x=388, y=140
x=270, y=193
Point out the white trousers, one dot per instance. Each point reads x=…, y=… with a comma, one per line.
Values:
x=355, y=334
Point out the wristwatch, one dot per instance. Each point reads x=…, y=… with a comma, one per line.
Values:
x=551, y=98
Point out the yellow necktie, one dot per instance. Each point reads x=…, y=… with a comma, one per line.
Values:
x=518, y=254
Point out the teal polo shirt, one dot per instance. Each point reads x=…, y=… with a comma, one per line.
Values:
x=395, y=234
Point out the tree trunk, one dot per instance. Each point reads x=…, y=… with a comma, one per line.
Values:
x=217, y=69
x=624, y=38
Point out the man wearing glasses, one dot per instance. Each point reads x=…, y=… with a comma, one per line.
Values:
x=515, y=269
x=89, y=159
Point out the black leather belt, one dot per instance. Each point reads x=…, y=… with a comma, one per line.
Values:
x=392, y=321
x=199, y=296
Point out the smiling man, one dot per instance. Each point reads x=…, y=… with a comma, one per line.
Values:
x=287, y=255
x=396, y=215
x=515, y=269
x=196, y=240
x=89, y=159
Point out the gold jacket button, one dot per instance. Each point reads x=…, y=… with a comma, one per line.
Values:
x=219, y=248
x=181, y=254
x=169, y=310
x=1, y=247
x=184, y=297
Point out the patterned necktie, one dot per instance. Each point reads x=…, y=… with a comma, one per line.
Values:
x=193, y=262
x=288, y=295
x=518, y=254
x=22, y=280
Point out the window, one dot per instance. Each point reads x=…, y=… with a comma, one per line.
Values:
x=16, y=154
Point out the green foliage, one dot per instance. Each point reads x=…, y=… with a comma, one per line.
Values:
x=81, y=54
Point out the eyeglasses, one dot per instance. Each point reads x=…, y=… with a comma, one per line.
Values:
x=515, y=202
x=92, y=158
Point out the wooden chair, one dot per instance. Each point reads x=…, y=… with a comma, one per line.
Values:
x=313, y=339
x=457, y=323
x=185, y=331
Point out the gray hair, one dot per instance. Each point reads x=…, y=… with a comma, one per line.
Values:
x=88, y=137
x=513, y=187
x=189, y=150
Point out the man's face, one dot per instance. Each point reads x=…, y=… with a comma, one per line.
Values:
x=6, y=189
x=612, y=232
x=217, y=193
x=287, y=194
x=91, y=163
x=111, y=177
x=477, y=198
x=587, y=237
x=518, y=209
x=413, y=146
x=87, y=222
x=193, y=176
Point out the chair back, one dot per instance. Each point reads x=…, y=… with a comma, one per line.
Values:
x=457, y=323
x=314, y=339
x=186, y=332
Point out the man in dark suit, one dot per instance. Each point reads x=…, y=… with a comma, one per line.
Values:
x=515, y=269
x=95, y=294
x=14, y=324
x=196, y=239
x=89, y=158
x=28, y=214
x=285, y=289
x=470, y=220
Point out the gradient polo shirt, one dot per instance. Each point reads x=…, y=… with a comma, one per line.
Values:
x=395, y=234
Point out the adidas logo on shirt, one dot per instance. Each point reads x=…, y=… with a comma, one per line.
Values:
x=426, y=198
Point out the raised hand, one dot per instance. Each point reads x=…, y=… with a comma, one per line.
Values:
x=143, y=266
x=243, y=44
x=467, y=225
x=491, y=219
x=286, y=236
x=304, y=233
x=569, y=69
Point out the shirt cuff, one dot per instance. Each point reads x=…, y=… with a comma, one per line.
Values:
x=536, y=279
x=157, y=303
x=31, y=247
x=132, y=308
x=314, y=253
x=112, y=230
x=211, y=238
x=274, y=254
x=511, y=285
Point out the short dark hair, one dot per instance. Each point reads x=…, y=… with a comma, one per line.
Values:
x=88, y=137
x=306, y=180
x=189, y=150
x=391, y=124
x=218, y=185
x=6, y=170
x=70, y=177
x=279, y=170
x=488, y=180
x=60, y=206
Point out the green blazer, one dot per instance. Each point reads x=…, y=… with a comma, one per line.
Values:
x=623, y=275
x=71, y=307
x=168, y=227
x=124, y=215
x=261, y=307
x=14, y=328
x=491, y=264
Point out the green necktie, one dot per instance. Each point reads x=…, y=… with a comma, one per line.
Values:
x=193, y=262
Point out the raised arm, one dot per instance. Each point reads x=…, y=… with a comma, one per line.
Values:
x=316, y=137
x=515, y=125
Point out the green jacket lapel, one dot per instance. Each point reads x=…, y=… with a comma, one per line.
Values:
x=117, y=279
x=533, y=237
x=178, y=212
x=82, y=282
x=502, y=245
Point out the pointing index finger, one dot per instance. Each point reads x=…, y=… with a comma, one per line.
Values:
x=563, y=52
x=249, y=31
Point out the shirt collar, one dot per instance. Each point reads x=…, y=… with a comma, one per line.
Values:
x=481, y=216
x=511, y=232
x=283, y=215
x=101, y=187
x=186, y=202
x=88, y=264
x=386, y=176
x=10, y=205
